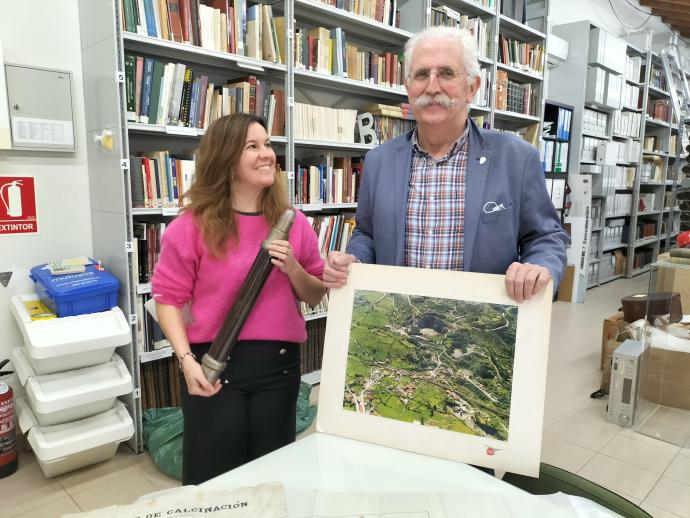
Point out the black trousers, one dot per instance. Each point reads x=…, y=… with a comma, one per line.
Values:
x=252, y=415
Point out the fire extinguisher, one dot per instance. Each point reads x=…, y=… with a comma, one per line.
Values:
x=13, y=202
x=8, y=432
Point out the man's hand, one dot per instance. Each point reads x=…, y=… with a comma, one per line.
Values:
x=525, y=280
x=336, y=270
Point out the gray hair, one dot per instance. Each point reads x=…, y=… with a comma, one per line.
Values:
x=463, y=38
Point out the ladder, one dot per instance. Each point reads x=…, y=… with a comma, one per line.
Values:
x=680, y=97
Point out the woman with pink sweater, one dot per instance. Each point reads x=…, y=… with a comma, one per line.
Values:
x=206, y=253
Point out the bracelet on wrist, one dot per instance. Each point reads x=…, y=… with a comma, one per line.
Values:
x=181, y=358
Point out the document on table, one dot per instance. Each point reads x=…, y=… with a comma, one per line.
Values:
x=305, y=503
x=265, y=500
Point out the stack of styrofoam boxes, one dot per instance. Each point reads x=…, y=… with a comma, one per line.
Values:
x=72, y=377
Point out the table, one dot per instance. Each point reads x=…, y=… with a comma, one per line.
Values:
x=328, y=466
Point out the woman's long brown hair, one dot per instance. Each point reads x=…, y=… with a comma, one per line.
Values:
x=210, y=194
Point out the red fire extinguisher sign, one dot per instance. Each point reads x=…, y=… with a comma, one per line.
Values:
x=18, y=205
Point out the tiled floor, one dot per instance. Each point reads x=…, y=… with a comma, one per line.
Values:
x=649, y=472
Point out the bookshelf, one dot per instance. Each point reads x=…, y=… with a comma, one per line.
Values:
x=602, y=80
x=649, y=190
x=555, y=151
x=121, y=221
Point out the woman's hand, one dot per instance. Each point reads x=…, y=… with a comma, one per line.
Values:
x=282, y=257
x=197, y=384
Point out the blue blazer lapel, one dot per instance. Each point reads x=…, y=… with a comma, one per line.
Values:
x=402, y=168
x=478, y=169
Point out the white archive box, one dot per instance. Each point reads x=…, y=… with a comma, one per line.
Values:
x=65, y=447
x=71, y=395
x=67, y=343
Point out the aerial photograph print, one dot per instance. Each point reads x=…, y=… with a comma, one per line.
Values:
x=436, y=362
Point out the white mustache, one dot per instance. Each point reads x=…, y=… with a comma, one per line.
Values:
x=441, y=99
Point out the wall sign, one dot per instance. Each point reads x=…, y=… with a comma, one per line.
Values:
x=18, y=205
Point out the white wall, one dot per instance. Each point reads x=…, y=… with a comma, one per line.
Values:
x=45, y=33
x=600, y=13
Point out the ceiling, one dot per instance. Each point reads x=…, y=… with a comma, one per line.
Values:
x=674, y=13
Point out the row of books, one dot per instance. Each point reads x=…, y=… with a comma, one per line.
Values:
x=159, y=179
x=528, y=133
x=311, y=351
x=626, y=123
x=642, y=257
x=148, y=334
x=382, y=11
x=328, y=52
x=387, y=128
x=618, y=177
x=628, y=152
x=633, y=68
x=631, y=96
x=161, y=386
x=221, y=25
x=618, y=204
x=444, y=16
x=323, y=123
x=595, y=122
x=319, y=310
x=173, y=94
x=483, y=95
x=146, y=245
x=524, y=55
x=324, y=183
x=333, y=231
x=554, y=156
x=659, y=109
x=651, y=143
x=657, y=78
x=515, y=97
x=556, y=188
x=560, y=120
x=651, y=170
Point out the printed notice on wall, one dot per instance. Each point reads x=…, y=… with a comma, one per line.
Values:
x=18, y=205
x=5, y=141
x=27, y=130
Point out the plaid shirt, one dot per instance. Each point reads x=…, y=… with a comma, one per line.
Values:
x=434, y=236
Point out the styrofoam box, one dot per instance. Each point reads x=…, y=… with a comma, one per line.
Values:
x=69, y=446
x=68, y=343
x=71, y=395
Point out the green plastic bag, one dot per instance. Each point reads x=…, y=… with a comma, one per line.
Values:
x=164, y=427
x=305, y=412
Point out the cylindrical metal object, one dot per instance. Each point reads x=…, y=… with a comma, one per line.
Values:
x=214, y=361
x=8, y=433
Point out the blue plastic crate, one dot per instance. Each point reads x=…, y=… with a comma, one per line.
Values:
x=76, y=293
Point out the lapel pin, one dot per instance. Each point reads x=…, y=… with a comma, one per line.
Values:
x=482, y=159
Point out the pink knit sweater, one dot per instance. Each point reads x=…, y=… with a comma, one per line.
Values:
x=187, y=273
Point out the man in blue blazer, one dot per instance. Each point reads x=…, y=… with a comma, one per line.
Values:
x=449, y=195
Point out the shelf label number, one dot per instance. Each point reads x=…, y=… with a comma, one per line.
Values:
x=129, y=247
x=124, y=163
x=120, y=77
x=133, y=319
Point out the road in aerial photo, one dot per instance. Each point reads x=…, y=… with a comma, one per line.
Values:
x=436, y=362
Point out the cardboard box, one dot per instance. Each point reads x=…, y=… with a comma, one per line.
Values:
x=666, y=378
x=615, y=328
x=565, y=290
x=672, y=278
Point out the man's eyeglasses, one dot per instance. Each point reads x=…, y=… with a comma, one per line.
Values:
x=446, y=75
